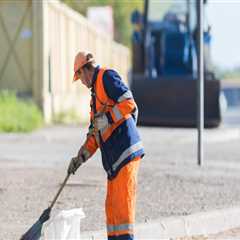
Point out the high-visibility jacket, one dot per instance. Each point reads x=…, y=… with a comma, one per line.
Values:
x=119, y=142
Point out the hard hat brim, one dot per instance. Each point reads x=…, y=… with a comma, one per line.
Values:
x=76, y=77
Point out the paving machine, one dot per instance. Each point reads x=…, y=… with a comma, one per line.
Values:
x=164, y=66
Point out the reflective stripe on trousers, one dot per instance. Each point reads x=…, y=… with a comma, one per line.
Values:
x=120, y=201
x=121, y=227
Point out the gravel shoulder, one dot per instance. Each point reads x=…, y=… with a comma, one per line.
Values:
x=32, y=167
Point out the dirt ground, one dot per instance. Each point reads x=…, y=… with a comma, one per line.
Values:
x=32, y=167
x=232, y=234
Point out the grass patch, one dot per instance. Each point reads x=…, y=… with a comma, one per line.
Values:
x=17, y=115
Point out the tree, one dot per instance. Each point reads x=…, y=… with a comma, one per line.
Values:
x=122, y=10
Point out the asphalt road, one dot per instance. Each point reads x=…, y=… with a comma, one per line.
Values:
x=170, y=183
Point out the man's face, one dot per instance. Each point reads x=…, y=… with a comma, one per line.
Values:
x=85, y=77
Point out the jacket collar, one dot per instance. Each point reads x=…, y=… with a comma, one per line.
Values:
x=96, y=70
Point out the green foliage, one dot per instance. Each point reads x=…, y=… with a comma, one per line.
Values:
x=17, y=115
x=228, y=74
x=232, y=74
x=122, y=10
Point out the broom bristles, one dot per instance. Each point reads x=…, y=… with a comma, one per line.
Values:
x=34, y=232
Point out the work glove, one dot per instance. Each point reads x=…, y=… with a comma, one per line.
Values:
x=77, y=161
x=101, y=121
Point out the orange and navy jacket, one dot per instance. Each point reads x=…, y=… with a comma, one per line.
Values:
x=119, y=142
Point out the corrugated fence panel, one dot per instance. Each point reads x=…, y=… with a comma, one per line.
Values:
x=16, y=45
x=69, y=33
x=39, y=40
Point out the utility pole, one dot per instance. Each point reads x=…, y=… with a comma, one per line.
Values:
x=200, y=84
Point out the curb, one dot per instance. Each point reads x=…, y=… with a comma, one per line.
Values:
x=202, y=223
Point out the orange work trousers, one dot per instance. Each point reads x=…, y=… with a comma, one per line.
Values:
x=120, y=202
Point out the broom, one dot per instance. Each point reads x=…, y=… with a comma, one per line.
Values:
x=34, y=232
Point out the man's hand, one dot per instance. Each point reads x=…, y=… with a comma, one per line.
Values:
x=76, y=162
x=101, y=122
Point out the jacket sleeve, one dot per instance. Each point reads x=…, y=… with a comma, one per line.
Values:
x=91, y=144
x=121, y=95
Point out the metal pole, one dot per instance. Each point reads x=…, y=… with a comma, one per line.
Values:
x=200, y=90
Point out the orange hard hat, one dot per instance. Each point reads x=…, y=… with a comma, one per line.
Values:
x=81, y=59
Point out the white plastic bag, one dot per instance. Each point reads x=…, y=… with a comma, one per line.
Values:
x=64, y=226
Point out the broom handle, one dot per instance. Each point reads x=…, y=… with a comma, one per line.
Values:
x=59, y=191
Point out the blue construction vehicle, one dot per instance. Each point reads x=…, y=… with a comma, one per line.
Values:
x=164, y=65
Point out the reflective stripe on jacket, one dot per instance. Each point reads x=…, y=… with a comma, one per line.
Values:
x=120, y=141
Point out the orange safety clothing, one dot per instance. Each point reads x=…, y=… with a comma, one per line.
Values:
x=120, y=202
x=119, y=142
x=120, y=146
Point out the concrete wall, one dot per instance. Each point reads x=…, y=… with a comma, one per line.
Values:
x=47, y=41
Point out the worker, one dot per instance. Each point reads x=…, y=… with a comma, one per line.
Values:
x=113, y=119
